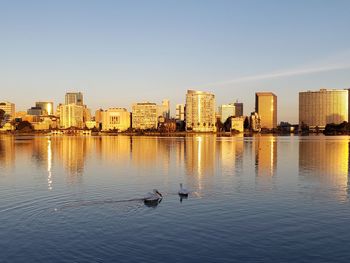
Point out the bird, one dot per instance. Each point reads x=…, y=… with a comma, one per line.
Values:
x=154, y=197
x=183, y=192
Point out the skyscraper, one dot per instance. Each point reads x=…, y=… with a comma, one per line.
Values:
x=71, y=115
x=74, y=98
x=226, y=111
x=200, y=111
x=238, y=109
x=319, y=108
x=164, y=109
x=266, y=107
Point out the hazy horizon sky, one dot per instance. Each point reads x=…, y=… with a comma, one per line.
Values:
x=120, y=52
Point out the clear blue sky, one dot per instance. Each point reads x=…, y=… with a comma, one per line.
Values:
x=119, y=52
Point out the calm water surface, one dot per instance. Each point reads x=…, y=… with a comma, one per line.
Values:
x=261, y=199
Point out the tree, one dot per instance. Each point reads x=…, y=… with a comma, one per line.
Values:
x=24, y=126
x=2, y=115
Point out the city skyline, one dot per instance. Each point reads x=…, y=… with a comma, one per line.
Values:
x=159, y=50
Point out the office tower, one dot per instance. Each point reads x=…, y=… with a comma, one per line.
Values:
x=238, y=109
x=71, y=115
x=180, y=112
x=226, y=111
x=164, y=109
x=46, y=107
x=115, y=119
x=9, y=109
x=266, y=107
x=144, y=115
x=200, y=111
x=319, y=108
x=255, y=122
x=35, y=111
x=74, y=98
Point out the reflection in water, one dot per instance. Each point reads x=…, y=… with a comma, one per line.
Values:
x=326, y=161
x=7, y=152
x=49, y=164
x=265, y=155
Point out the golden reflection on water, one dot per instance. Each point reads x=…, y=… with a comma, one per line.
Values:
x=324, y=160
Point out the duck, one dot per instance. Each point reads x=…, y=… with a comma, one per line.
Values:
x=183, y=192
x=153, y=197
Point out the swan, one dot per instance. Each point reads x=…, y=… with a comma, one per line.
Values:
x=153, y=197
x=183, y=192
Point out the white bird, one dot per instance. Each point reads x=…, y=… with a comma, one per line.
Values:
x=153, y=197
x=183, y=192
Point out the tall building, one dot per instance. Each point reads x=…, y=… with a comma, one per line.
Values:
x=319, y=108
x=115, y=119
x=200, y=111
x=164, y=109
x=74, y=98
x=266, y=107
x=238, y=109
x=45, y=106
x=9, y=109
x=71, y=115
x=180, y=112
x=144, y=115
x=226, y=111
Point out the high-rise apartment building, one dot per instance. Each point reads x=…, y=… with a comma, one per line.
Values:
x=266, y=107
x=71, y=115
x=115, y=119
x=238, y=109
x=9, y=109
x=200, y=111
x=74, y=98
x=226, y=111
x=319, y=108
x=145, y=115
x=180, y=112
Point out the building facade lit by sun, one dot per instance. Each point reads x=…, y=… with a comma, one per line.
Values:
x=9, y=109
x=319, y=108
x=115, y=119
x=266, y=107
x=226, y=111
x=145, y=115
x=45, y=106
x=71, y=115
x=200, y=111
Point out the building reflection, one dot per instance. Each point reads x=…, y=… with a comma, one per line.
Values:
x=265, y=155
x=230, y=153
x=7, y=152
x=200, y=157
x=326, y=161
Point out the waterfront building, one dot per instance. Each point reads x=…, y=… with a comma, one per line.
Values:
x=87, y=114
x=180, y=112
x=226, y=111
x=255, y=122
x=200, y=111
x=9, y=109
x=90, y=124
x=266, y=107
x=74, y=98
x=319, y=108
x=45, y=106
x=164, y=109
x=238, y=109
x=237, y=123
x=115, y=119
x=144, y=116
x=71, y=115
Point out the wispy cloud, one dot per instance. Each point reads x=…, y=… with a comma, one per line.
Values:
x=281, y=74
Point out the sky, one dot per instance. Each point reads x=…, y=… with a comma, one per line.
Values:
x=120, y=52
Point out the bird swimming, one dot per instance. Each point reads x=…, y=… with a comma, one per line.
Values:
x=183, y=192
x=154, y=197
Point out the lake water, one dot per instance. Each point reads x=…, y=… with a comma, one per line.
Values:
x=260, y=199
